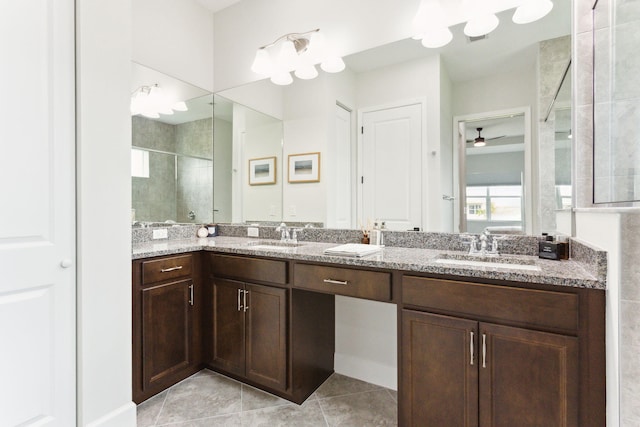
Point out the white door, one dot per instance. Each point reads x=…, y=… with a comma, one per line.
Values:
x=391, y=180
x=340, y=181
x=37, y=214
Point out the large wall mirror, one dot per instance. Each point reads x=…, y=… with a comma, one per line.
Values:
x=172, y=151
x=374, y=168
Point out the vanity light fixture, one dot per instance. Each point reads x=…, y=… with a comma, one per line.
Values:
x=532, y=10
x=151, y=101
x=434, y=17
x=297, y=52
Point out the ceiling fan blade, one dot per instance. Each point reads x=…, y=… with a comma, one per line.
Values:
x=495, y=137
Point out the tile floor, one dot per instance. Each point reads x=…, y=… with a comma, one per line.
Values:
x=208, y=399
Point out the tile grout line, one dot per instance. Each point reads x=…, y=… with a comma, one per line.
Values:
x=354, y=393
x=155, y=423
x=326, y=421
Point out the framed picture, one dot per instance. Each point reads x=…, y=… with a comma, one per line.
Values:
x=262, y=171
x=304, y=167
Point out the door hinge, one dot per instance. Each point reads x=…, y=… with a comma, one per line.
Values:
x=362, y=180
x=362, y=129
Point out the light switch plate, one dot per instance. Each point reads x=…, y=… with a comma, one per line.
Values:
x=160, y=233
x=253, y=231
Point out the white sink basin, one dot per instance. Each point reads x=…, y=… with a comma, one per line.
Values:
x=273, y=245
x=478, y=261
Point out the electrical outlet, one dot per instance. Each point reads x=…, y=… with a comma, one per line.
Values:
x=253, y=232
x=160, y=233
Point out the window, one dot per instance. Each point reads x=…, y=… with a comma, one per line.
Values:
x=494, y=203
x=139, y=163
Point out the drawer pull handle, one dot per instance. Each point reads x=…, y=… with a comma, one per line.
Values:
x=246, y=306
x=166, y=270
x=336, y=282
x=484, y=350
x=471, y=347
x=239, y=299
x=191, y=294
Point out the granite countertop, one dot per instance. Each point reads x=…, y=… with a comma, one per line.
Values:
x=559, y=273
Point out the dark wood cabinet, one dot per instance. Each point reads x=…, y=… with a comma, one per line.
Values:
x=166, y=330
x=459, y=372
x=476, y=354
x=250, y=331
x=166, y=323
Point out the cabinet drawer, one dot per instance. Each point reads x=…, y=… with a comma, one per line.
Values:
x=249, y=269
x=549, y=309
x=344, y=281
x=166, y=268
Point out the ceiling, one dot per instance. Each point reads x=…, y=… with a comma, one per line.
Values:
x=216, y=5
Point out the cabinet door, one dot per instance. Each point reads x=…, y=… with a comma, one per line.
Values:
x=439, y=371
x=166, y=330
x=528, y=378
x=266, y=340
x=228, y=325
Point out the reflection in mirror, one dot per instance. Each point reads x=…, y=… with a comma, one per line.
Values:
x=562, y=155
x=172, y=155
x=514, y=67
x=247, y=163
x=494, y=171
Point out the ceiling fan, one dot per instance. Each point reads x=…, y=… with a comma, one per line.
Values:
x=480, y=141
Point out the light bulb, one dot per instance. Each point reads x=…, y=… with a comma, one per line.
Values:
x=334, y=64
x=436, y=37
x=262, y=63
x=532, y=10
x=481, y=25
x=282, y=78
x=479, y=143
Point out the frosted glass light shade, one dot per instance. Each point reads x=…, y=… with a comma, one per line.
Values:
x=479, y=143
x=430, y=14
x=288, y=58
x=531, y=11
x=180, y=106
x=262, y=63
x=282, y=78
x=306, y=72
x=481, y=25
x=334, y=64
x=317, y=48
x=437, y=37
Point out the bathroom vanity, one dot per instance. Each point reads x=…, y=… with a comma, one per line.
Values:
x=478, y=345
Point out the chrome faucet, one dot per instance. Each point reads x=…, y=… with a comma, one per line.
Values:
x=488, y=244
x=284, y=232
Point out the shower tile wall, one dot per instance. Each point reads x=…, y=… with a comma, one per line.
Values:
x=195, y=176
x=553, y=56
x=166, y=195
x=626, y=90
x=154, y=198
x=630, y=322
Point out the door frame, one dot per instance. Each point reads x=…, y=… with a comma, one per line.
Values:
x=459, y=178
x=422, y=101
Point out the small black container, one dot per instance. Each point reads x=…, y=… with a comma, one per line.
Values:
x=553, y=250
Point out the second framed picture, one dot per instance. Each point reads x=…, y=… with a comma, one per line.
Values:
x=304, y=167
x=262, y=171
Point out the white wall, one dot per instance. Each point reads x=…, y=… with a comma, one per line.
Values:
x=261, y=96
x=446, y=151
x=602, y=229
x=103, y=206
x=349, y=26
x=174, y=37
x=418, y=79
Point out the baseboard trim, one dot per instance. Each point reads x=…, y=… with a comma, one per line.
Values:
x=366, y=370
x=124, y=416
